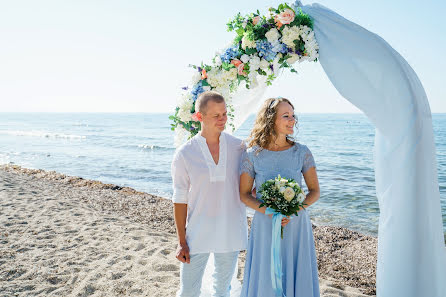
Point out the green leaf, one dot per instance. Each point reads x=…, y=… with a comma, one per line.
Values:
x=204, y=82
x=250, y=51
x=240, y=31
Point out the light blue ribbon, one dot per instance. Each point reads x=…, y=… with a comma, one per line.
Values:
x=276, y=260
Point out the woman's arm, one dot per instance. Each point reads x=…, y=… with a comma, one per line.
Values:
x=246, y=183
x=312, y=182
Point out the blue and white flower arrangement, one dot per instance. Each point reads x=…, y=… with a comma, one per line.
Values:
x=264, y=45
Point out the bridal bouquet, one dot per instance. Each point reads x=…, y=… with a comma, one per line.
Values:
x=283, y=195
x=263, y=46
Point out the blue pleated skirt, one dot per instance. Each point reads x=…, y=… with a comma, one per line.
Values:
x=299, y=265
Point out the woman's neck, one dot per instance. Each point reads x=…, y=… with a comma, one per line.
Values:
x=278, y=143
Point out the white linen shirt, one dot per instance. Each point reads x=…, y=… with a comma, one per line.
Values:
x=216, y=218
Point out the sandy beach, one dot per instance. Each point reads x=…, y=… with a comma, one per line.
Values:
x=67, y=236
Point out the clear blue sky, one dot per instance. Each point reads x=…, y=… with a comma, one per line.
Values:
x=133, y=55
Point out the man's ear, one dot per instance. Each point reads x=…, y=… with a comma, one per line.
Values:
x=199, y=116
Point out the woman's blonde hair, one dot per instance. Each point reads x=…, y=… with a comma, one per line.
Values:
x=263, y=131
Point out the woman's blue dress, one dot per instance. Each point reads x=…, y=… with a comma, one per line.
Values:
x=299, y=266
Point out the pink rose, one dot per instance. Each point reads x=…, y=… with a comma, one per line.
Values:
x=240, y=69
x=286, y=16
x=255, y=20
x=236, y=62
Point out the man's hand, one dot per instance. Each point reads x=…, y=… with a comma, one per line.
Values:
x=183, y=253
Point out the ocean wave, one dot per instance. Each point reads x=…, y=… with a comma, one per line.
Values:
x=43, y=134
x=152, y=147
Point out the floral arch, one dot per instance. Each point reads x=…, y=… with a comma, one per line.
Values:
x=370, y=74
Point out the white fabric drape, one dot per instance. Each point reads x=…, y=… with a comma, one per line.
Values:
x=369, y=73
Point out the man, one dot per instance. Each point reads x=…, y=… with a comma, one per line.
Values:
x=209, y=216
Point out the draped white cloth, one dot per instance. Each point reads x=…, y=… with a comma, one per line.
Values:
x=369, y=73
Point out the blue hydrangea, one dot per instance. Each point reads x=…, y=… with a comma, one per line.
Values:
x=279, y=47
x=265, y=50
x=197, y=90
x=230, y=54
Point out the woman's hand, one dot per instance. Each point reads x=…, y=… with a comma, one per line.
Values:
x=285, y=220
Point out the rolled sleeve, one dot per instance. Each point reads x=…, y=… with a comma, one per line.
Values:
x=180, y=179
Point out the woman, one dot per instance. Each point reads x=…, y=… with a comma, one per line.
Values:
x=272, y=151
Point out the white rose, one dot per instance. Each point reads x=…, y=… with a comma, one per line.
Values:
x=300, y=197
x=244, y=58
x=289, y=194
x=254, y=63
x=264, y=64
x=292, y=59
x=195, y=78
x=272, y=35
x=282, y=190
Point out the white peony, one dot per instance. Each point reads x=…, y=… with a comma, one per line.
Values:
x=195, y=78
x=214, y=77
x=288, y=194
x=272, y=35
x=264, y=64
x=300, y=197
x=289, y=34
x=244, y=58
x=254, y=63
x=184, y=112
x=292, y=59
